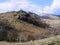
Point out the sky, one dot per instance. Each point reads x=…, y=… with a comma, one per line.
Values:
x=36, y=6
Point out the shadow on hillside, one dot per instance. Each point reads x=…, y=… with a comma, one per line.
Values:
x=10, y=34
x=31, y=18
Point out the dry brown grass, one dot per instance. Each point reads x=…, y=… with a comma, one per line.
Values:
x=52, y=23
x=49, y=41
x=27, y=29
x=23, y=27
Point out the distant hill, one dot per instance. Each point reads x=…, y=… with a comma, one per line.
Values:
x=50, y=16
x=52, y=20
x=58, y=15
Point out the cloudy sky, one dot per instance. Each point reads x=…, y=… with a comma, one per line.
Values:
x=36, y=6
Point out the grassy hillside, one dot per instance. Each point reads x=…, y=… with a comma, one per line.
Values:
x=52, y=23
x=21, y=26
x=26, y=28
x=49, y=41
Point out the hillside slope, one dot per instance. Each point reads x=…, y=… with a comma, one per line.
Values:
x=48, y=41
x=52, y=20
x=21, y=26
